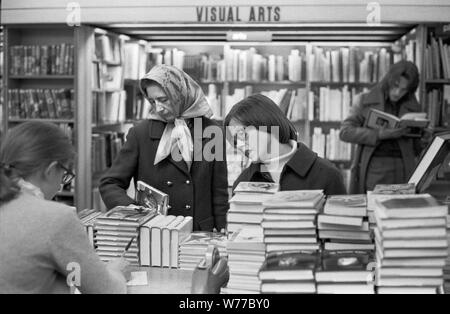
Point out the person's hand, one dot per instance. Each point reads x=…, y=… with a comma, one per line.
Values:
x=120, y=265
x=223, y=231
x=388, y=134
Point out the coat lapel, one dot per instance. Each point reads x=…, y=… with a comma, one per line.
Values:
x=156, y=129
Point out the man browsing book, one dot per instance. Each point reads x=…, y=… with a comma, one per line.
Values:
x=384, y=154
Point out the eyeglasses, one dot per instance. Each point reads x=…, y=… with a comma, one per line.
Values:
x=68, y=175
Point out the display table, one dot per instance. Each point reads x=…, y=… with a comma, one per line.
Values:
x=164, y=281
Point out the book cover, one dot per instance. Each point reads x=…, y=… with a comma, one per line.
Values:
x=346, y=261
x=295, y=199
x=137, y=216
x=289, y=266
x=406, y=188
x=256, y=187
x=152, y=198
x=378, y=119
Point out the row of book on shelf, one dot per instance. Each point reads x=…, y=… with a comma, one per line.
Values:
x=388, y=241
x=42, y=60
x=108, y=107
x=351, y=64
x=106, y=146
x=41, y=103
x=438, y=101
x=437, y=60
x=322, y=104
x=330, y=146
x=235, y=65
x=346, y=64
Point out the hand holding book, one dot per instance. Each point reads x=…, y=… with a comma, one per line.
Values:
x=390, y=126
x=388, y=134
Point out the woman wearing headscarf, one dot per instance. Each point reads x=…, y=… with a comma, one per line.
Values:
x=383, y=156
x=167, y=152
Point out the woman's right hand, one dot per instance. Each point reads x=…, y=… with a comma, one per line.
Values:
x=120, y=265
x=387, y=134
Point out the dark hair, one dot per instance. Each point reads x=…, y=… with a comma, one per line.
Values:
x=259, y=111
x=27, y=149
x=408, y=70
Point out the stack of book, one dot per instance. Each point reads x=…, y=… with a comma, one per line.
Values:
x=289, y=272
x=411, y=243
x=193, y=249
x=115, y=229
x=289, y=220
x=343, y=225
x=246, y=254
x=160, y=238
x=385, y=189
x=447, y=263
x=246, y=207
x=346, y=273
x=88, y=218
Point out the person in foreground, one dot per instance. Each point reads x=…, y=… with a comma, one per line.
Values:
x=256, y=123
x=43, y=244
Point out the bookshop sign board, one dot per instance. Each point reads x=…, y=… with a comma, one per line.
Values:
x=210, y=12
x=237, y=14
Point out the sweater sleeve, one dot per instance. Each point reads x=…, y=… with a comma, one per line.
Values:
x=353, y=129
x=73, y=256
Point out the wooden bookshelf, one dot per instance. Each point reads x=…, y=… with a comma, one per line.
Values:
x=44, y=36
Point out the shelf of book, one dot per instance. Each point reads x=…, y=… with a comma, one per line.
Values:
x=68, y=121
x=41, y=84
x=42, y=77
x=438, y=81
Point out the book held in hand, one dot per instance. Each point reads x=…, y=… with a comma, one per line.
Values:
x=150, y=197
x=415, y=121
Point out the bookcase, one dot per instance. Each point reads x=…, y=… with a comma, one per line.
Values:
x=314, y=83
x=73, y=77
x=40, y=82
x=436, y=69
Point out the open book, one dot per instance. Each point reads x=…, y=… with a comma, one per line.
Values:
x=415, y=121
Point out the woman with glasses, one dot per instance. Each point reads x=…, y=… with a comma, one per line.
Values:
x=260, y=130
x=169, y=152
x=42, y=243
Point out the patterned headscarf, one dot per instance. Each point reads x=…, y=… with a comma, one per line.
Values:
x=187, y=101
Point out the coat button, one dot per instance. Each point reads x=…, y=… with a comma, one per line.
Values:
x=188, y=207
x=169, y=183
x=188, y=182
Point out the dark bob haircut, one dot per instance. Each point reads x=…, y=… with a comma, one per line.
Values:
x=260, y=111
x=408, y=70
